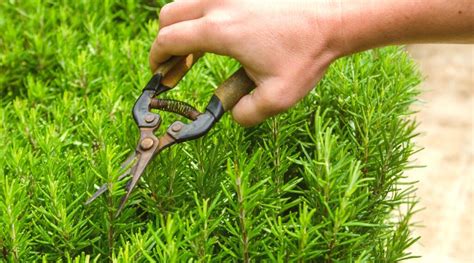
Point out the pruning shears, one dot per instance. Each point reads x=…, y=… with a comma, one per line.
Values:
x=165, y=78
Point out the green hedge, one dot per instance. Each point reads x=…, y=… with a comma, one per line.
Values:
x=323, y=182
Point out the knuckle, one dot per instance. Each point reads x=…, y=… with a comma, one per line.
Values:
x=163, y=37
x=218, y=28
x=165, y=14
x=219, y=21
x=211, y=25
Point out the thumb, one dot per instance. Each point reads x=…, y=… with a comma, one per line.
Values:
x=268, y=99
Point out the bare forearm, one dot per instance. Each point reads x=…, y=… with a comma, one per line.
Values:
x=371, y=23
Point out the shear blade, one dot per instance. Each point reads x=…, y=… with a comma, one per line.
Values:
x=104, y=187
x=137, y=172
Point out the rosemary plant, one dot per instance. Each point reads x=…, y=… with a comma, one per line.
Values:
x=322, y=183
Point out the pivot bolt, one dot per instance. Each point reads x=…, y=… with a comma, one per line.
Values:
x=149, y=118
x=146, y=144
x=177, y=127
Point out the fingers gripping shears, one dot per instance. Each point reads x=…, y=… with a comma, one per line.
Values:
x=165, y=78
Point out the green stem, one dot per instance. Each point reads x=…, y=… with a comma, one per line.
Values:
x=242, y=219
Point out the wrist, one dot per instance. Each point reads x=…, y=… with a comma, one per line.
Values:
x=327, y=16
x=355, y=26
x=345, y=27
x=367, y=24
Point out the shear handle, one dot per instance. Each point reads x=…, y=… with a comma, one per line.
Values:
x=224, y=99
x=234, y=88
x=174, y=69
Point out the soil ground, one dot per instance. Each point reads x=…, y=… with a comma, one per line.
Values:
x=446, y=123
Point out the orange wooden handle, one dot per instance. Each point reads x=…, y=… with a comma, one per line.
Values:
x=176, y=68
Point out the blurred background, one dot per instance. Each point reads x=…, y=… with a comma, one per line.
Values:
x=446, y=125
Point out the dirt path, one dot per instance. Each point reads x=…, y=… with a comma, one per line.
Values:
x=446, y=123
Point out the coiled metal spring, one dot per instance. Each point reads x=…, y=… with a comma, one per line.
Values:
x=175, y=106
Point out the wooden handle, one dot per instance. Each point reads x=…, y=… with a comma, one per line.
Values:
x=229, y=92
x=175, y=68
x=166, y=66
x=234, y=88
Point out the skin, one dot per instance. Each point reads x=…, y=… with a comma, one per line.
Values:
x=286, y=46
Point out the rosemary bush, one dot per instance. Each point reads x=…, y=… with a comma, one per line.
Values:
x=323, y=182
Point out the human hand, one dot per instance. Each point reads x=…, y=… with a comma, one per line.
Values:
x=284, y=47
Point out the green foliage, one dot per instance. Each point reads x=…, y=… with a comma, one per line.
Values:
x=323, y=182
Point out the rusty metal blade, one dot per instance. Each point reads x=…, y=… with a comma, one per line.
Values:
x=137, y=172
x=104, y=187
x=145, y=157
